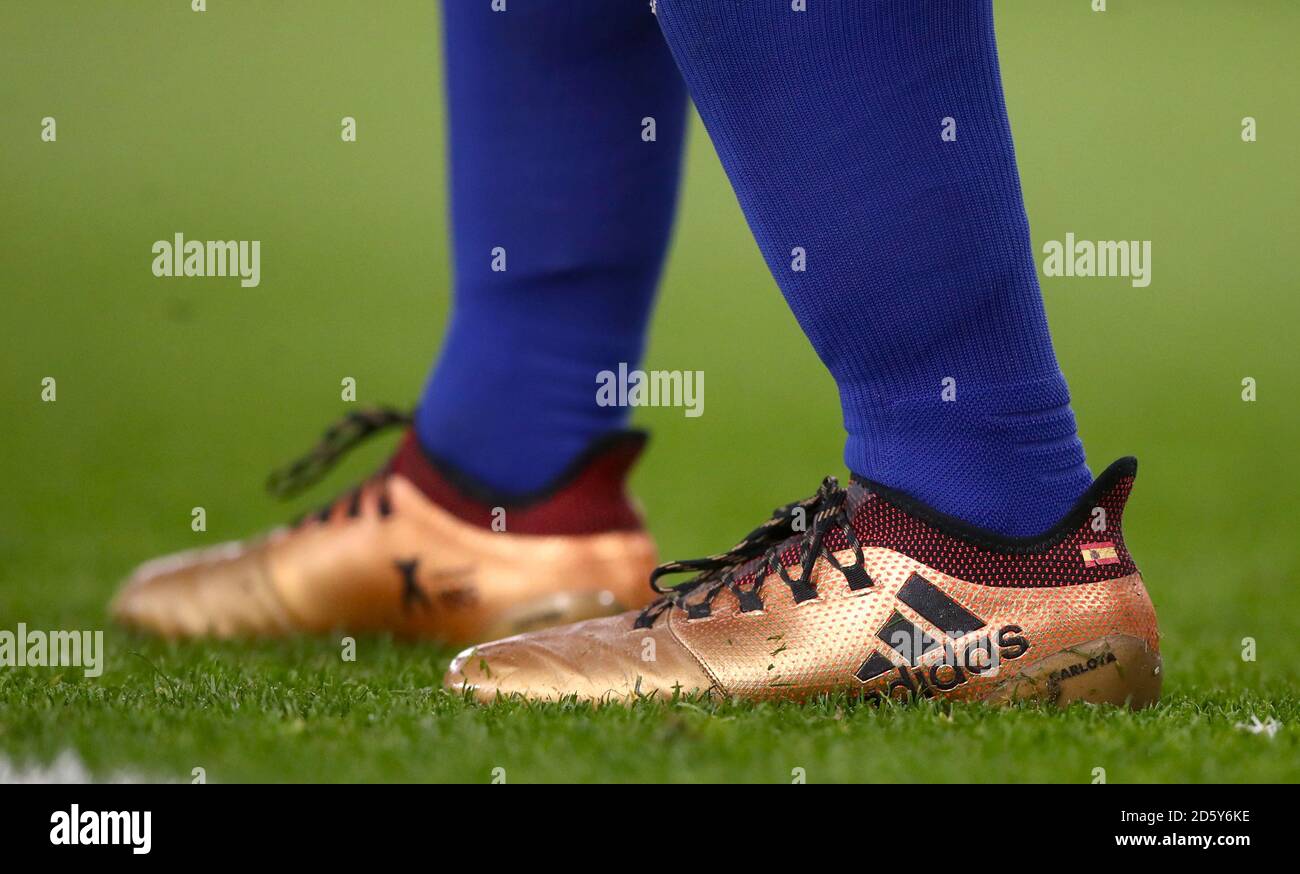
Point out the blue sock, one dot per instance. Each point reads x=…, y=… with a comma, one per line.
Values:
x=920, y=292
x=548, y=163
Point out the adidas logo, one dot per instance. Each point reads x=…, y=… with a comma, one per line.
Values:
x=981, y=654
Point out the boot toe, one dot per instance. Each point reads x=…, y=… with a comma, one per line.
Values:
x=597, y=660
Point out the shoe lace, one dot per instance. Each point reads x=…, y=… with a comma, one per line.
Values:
x=827, y=509
x=338, y=440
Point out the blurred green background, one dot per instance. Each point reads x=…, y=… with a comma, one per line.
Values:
x=179, y=393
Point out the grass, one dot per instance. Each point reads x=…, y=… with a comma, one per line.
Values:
x=174, y=394
x=296, y=712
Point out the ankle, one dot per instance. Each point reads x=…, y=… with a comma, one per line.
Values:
x=589, y=497
x=1003, y=457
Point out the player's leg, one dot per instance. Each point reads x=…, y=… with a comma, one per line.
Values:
x=505, y=506
x=969, y=557
x=873, y=137
x=561, y=216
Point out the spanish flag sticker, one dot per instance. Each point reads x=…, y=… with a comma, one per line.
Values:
x=1099, y=553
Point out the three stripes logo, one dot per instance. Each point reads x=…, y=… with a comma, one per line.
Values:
x=980, y=654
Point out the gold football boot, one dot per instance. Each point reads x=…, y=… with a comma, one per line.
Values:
x=411, y=551
x=862, y=590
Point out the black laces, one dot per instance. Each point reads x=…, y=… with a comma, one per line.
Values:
x=811, y=519
x=338, y=440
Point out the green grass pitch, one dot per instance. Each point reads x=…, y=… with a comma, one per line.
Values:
x=175, y=393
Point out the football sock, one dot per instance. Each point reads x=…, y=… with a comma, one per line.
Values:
x=869, y=147
x=562, y=198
